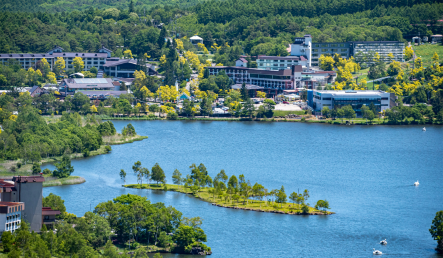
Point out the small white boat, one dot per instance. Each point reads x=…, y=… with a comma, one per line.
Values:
x=424, y=129
x=416, y=183
x=376, y=252
x=383, y=242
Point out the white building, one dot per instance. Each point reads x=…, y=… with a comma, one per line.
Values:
x=340, y=98
x=10, y=216
x=281, y=62
x=195, y=40
x=241, y=62
x=303, y=47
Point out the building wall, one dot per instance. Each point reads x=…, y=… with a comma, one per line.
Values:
x=382, y=48
x=11, y=221
x=319, y=49
x=31, y=194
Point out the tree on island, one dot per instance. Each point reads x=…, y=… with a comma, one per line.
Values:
x=158, y=174
x=123, y=175
x=293, y=197
x=281, y=196
x=436, y=230
x=322, y=204
x=64, y=168
x=177, y=177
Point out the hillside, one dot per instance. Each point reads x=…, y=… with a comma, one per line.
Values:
x=80, y=5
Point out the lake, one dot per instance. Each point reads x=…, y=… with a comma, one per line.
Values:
x=365, y=172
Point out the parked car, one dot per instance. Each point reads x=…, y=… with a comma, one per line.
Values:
x=285, y=102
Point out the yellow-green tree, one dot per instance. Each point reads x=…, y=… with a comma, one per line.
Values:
x=51, y=78
x=46, y=68
x=261, y=94
x=390, y=57
x=418, y=62
x=408, y=52
x=179, y=44
x=127, y=54
x=326, y=63
x=93, y=109
x=78, y=63
x=376, y=57
x=167, y=93
x=139, y=79
x=59, y=65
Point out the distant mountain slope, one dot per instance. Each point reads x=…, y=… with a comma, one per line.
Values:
x=71, y=5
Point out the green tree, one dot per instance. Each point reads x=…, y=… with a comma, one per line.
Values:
x=293, y=197
x=233, y=182
x=94, y=228
x=64, y=168
x=436, y=230
x=123, y=175
x=281, y=196
x=326, y=112
x=187, y=235
x=36, y=169
x=78, y=63
x=177, y=177
x=7, y=241
x=158, y=174
x=244, y=92
x=137, y=170
x=56, y=203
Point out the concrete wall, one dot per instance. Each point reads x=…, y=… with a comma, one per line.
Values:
x=31, y=194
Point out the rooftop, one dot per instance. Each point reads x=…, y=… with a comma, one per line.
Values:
x=279, y=57
x=8, y=204
x=248, y=86
x=22, y=179
x=49, y=211
x=351, y=93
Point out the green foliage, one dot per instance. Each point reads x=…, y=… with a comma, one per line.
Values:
x=129, y=130
x=158, y=174
x=7, y=241
x=36, y=169
x=108, y=148
x=436, y=230
x=56, y=203
x=64, y=168
x=106, y=128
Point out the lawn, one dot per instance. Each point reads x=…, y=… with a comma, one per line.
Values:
x=285, y=113
x=226, y=201
x=426, y=52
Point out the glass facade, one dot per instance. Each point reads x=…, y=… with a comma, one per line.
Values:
x=356, y=103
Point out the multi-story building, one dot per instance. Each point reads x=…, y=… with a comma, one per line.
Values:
x=273, y=82
x=340, y=98
x=30, y=60
x=280, y=62
x=361, y=50
x=26, y=189
x=10, y=216
x=124, y=68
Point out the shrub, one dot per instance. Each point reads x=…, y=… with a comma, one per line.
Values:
x=19, y=165
x=108, y=148
x=172, y=116
x=46, y=171
x=305, y=209
x=303, y=119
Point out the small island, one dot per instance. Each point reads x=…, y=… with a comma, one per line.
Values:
x=233, y=193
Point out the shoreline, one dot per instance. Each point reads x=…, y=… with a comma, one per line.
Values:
x=288, y=208
x=274, y=119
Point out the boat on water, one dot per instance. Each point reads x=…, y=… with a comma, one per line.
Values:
x=416, y=183
x=376, y=252
x=383, y=242
x=424, y=129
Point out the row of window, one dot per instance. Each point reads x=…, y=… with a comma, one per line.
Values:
x=329, y=45
x=12, y=217
x=330, y=50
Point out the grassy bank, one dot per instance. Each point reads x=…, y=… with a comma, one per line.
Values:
x=426, y=52
x=121, y=139
x=227, y=202
x=71, y=180
x=285, y=113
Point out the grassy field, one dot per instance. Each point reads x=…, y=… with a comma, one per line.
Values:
x=121, y=139
x=226, y=201
x=285, y=113
x=71, y=180
x=427, y=51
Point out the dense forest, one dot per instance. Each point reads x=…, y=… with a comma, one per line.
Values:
x=255, y=26
x=128, y=220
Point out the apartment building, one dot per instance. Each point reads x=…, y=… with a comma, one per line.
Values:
x=27, y=190
x=30, y=60
x=11, y=216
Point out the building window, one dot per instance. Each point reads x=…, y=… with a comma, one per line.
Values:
x=316, y=45
x=342, y=45
x=315, y=50
x=333, y=45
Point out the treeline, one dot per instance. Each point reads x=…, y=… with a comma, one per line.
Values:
x=86, y=31
x=29, y=137
x=129, y=220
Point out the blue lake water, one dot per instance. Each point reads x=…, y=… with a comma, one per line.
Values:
x=365, y=172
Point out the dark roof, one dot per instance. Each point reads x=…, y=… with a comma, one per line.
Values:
x=120, y=62
x=15, y=56
x=5, y=184
x=103, y=47
x=49, y=211
x=21, y=179
x=279, y=57
x=248, y=86
x=64, y=54
x=10, y=203
x=33, y=89
x=116, y=83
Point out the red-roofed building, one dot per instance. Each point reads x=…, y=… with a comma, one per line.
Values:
x=48, y=217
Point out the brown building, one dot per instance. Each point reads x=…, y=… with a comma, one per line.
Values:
x=48, y=217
